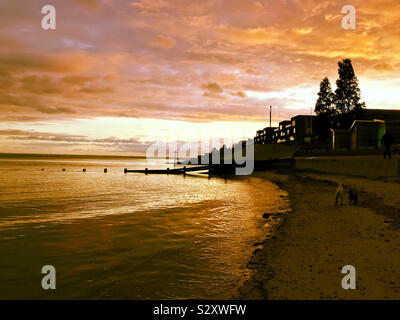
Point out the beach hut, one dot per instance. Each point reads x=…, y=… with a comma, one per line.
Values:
x=340, y=139
x=366, y=134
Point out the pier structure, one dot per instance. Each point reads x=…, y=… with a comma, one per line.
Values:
x=183, y=170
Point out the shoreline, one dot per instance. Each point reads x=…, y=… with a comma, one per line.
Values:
x=304, y=256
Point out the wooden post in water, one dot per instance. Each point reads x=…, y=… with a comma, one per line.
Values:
x=105, y=170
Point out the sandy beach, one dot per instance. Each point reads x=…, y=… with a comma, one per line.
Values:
x=303, y=259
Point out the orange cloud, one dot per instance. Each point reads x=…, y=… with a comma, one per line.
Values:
x=163, y=42
x=198, y=61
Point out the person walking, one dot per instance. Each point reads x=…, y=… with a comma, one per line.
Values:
x=387, y=141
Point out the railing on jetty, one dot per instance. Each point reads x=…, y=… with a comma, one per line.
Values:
x=183, y=170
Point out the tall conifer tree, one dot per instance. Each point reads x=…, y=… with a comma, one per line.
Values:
x=324, y=104
x=347, y=94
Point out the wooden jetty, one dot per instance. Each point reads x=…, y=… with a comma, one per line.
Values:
x=170, y=171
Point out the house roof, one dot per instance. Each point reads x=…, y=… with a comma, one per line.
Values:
x=366, y=123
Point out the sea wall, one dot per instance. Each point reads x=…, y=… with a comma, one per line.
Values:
x=265, y=152
x=367, y=166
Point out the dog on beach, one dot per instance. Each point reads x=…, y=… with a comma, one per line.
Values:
x=353, y=197
x=339, y=195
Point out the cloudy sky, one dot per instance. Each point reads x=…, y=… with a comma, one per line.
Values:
x=118, y=74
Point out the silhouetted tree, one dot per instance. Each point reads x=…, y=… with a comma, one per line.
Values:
x=347, y=95
x=325, y=100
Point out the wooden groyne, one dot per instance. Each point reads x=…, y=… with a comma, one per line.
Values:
x=169, y=171
x=221, y=169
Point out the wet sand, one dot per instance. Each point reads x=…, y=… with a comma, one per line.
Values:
x=303, y=259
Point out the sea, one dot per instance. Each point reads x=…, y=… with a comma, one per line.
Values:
x=116, y=235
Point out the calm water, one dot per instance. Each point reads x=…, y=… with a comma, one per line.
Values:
x=126, y=236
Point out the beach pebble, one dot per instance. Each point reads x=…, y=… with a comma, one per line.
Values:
x=274, y=215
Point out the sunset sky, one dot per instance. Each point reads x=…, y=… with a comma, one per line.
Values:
x=116, y=75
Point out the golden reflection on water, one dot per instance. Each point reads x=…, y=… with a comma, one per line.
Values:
x=131, y=236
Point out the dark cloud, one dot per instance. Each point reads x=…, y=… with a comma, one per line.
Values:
x=213, y=88
x=55, y=110
x=40, y=85
x=47, y=136
x=240, y=94
x=89, y=3
x=96, y=89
